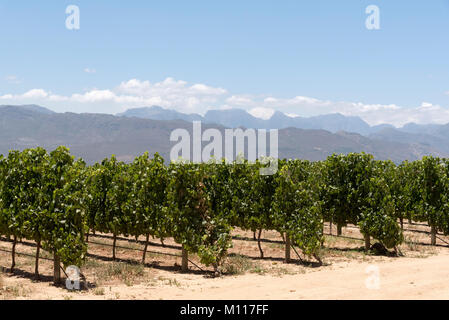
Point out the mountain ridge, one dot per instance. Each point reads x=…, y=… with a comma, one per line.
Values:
x=94, y=137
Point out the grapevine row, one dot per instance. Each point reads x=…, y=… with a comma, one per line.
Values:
x=55, y=201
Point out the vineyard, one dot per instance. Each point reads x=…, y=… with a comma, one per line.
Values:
x=56, y=202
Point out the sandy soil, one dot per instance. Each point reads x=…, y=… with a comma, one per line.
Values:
x=347, y=274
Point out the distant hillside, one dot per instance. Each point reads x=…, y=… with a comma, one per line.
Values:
x=434, y=136
x=158, y=113
x=29, y=107
x=318, y=144
x=96, y=136
x=234, y=118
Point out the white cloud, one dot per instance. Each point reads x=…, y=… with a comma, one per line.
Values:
x=199, y=98
x=262, y=113
x=95, y=96
x=172, y=93
x=89, y=70
x=135, y=86
x=169, y=93
x=240, y=100
x=399, y=116
x=206, y=90
x=168, y=87
x=13, y=79
x=35, y=94
x=372, y=113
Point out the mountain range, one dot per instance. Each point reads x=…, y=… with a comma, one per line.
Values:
x=431, y=135
x=96, y=136
x=234, y=118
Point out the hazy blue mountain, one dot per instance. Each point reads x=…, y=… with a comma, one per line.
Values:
x=338, y=122
x=30, y=107
x=421, y=128
x=392, y=134
x=442, y=131
x=235, y=118
x=319, y=144
x=281, y=120
x=435, y=137
x=159, y=113
x=380, y=127
x=96, y=136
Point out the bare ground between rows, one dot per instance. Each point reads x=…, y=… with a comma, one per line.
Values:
x=162, y=271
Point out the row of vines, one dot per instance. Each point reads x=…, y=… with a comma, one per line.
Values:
x=55, y=201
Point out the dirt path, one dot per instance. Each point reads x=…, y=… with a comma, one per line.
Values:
x=401, y=278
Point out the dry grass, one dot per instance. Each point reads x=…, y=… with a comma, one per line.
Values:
x=169, y=281
x=412, y=242
x=236, y=264
x=127, y=273
x=99, y=291
x=14, y=292
x=282, y=271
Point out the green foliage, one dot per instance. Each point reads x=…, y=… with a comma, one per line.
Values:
x=40, y=197
x=401, y=188
x=64, y=224
x=432, y=182
x=297, y=209
x=344, y=189
x=377, y=218
x=252, y=196
x=358, y=190
x=147, y=197
x=53, y=200
x=14, y=194
x=241, y=185
x=193, y=214
x=118, y=218
x=107, y=192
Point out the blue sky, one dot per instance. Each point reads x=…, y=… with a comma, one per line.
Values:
x=299, y=57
